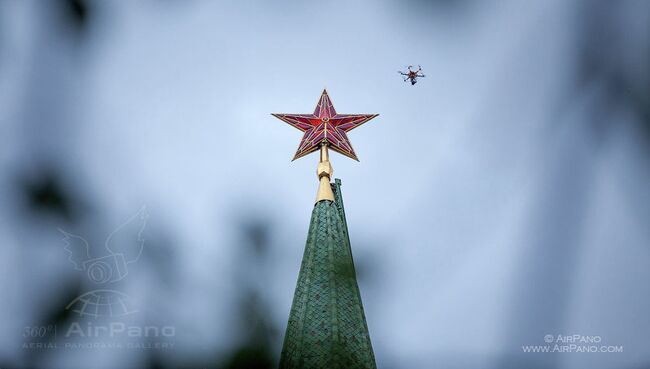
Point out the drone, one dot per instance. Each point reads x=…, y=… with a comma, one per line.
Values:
x=412, y=75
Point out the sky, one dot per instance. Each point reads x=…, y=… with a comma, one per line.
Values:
x=501, y=199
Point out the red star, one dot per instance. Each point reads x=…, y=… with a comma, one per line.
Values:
x=325, y=125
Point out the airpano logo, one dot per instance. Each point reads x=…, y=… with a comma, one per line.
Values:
x=114, y=335
x=118, y=329
x=572, y=343
x=122, y=248
x=573, y=338
x=104, y=314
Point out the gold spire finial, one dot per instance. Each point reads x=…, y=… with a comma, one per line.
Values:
x=324, y=173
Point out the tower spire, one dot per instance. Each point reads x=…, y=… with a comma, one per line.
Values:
x=327, y=325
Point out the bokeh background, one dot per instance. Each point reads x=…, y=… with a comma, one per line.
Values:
x=501, y=199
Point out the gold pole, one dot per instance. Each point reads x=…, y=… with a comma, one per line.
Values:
x=324, y=173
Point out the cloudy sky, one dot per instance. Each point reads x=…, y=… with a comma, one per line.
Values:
x=501, y=199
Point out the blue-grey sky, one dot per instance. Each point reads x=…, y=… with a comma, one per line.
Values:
x=502, y=198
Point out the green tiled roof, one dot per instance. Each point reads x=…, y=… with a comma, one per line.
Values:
x=327, y=326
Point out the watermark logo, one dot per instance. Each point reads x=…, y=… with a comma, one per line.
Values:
x=573, y=343
x=112, y=266
x=103, y=314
